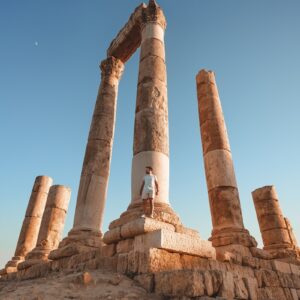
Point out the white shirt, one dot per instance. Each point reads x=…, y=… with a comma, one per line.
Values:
x=149, y=183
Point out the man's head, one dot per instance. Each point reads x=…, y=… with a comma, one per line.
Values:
x=149, y=170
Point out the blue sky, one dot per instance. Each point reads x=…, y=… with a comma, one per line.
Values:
x=49, y=57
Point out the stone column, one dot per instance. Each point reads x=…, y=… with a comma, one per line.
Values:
x=151, y=132
x=32, y=221
x=227, y=220
x=96, y=165
x=52, y=225
x=276, y=232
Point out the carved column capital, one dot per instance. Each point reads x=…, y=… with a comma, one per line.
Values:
x=112, y=67
x=153, y=13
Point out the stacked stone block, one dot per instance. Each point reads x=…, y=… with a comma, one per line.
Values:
x=32, y=221
x=52, y=225
x=276, y=231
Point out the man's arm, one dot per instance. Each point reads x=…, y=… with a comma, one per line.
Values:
x=142, y=186
x=156, y=186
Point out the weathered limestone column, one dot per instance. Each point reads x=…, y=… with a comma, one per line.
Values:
x=32, y=221
x=52, y=225
x=96, y=165
x=276, y=230
x=151, y=131
x=227, y=220
x=91, y=198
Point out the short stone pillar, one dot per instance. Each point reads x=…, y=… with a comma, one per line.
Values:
x=32, y=221
x=52, y=225
x=86, y=232
x=227, y=220
x=276, y=231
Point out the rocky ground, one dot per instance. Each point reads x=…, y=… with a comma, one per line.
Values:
x=90, y=285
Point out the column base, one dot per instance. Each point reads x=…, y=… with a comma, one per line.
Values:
x=232, y=236
x=12, y=265
x=30, y=262
x=133, y=223
x=36, y=256
x=283, y=251
x=162, y=212
x=77, y=241
x=38, y=253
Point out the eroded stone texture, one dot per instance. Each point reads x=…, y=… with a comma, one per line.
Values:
x=277, y=233
x=32, y=221
x=129, y=38
x=151, y=130
x=228, y=227
x=175, y=242
x=52, y=225
x=86, y=231
x=96, y=164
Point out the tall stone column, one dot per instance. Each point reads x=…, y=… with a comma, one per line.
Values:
x=92, y=191
x=276, y=230
x=227, y=220
x=151, y=128
x=32, y=221
x=151, y=131
x=52, y=225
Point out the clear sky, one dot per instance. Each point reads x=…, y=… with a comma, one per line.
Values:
x=49, y=76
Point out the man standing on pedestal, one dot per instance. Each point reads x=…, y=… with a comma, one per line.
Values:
x=149, y=190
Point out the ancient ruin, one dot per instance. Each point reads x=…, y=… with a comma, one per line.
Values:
x=228, y=227
x=32, y=222
x=276, y=230
x=52, y=225
x=167, y=259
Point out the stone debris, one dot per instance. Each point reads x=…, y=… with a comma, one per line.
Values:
x=90, y=285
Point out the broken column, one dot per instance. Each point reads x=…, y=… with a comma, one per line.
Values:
x=227, y=220
x=32, y=221
x=52, y=225
x=276, y=231
x=86, y=232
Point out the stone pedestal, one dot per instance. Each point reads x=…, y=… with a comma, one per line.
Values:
x=52, y=226
x=32, y=221
x=86, y=232
x=138, y=245
x=227, y=220
x=276, y=231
